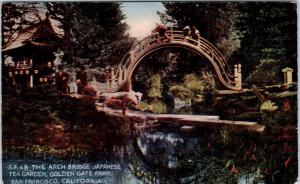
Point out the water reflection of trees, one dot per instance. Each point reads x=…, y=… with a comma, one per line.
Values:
x=247, y=158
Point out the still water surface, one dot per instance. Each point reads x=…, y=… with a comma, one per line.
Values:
x=167, y=157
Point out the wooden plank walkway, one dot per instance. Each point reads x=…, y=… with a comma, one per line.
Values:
x=189, y=120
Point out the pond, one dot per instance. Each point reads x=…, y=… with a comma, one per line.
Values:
x=71, y=142
x=170, y=156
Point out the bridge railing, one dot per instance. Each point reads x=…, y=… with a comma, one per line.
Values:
x=173, y=36
x=176, y=35
x=208, y=48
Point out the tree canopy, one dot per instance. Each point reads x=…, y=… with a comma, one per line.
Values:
x=246, y=32
x=251, y=33
x=15, y=17
x=94, y=32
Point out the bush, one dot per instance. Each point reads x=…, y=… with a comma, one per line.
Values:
x=192, y=82
x=268, y=106
x=154, y=84
x=96, y=73
x=181, y=92
x=266, y=73
x=157, y=107
x=269, y=111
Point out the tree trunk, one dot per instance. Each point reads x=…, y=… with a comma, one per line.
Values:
x=68, y=56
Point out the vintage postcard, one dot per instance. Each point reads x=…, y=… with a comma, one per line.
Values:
x=149, y=92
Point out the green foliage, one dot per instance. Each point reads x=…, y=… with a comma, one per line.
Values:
x=225, y=135
x=104, y=42
x=260, y=77
x=268, y=106
x=268, y=109
x=192, y=82
x=96, y=73
x=154, y=101
x=210, y=18
x=181, y=92
x=268, y=31
x=221, y=170
x=156, y=106
x=144, y=106
x=215, y=21
x=192, y=87
x=246, y=32
x=154, y=96
x=154, y=86
x=15, y=17
x=159, y=107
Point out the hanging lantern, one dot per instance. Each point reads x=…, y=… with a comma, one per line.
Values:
x=41, y=79
x=21, y=72
x=16, y=72
x=36, y=71
x=46, y=79
x=27, y=72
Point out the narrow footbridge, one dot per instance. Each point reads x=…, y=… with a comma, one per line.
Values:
x=120, y=77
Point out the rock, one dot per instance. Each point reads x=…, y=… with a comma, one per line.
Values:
x=129, y=98
x=180, y=103
x=89, y=90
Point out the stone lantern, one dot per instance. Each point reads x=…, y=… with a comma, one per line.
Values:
x=287, y=75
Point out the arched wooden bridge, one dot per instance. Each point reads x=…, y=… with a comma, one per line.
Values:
x=120, y=77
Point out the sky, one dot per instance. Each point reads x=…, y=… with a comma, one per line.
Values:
x=141, y=17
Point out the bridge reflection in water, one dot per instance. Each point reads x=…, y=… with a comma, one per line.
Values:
x=168, y=156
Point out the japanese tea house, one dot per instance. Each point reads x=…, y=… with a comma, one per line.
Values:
x=32, y=55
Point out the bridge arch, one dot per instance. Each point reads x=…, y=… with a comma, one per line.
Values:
x=211, y=63
x=122, y=76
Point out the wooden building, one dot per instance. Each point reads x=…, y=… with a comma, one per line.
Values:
x=32, y=55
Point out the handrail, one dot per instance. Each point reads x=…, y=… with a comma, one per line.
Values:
x=175, y=36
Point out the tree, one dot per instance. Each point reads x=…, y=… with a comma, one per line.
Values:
x=213, y=19
x=268, y=32
x=245, y=32
x=62, y=12
x=92, y=36
x=15, y=17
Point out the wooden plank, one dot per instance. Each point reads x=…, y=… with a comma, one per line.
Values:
x=150, y=116
x=187, y=117
x=187, y=129
x=259, y=89
x=187, y=120
x=233, y=92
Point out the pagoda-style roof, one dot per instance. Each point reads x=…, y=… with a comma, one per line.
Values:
x=39, y=35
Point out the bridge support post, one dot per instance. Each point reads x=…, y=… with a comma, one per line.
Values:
x=238, y=76
x=113, y=78
x=124, y=74
x=127, y=86
x=107, y=78
x=120, y=74
x=31, y=81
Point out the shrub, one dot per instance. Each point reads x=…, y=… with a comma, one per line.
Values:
x=157, y=107
x=154, y=84
x=268, y=106
x=181, y=92
x=192, y=82
x=266, y=73
x=269, y=111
